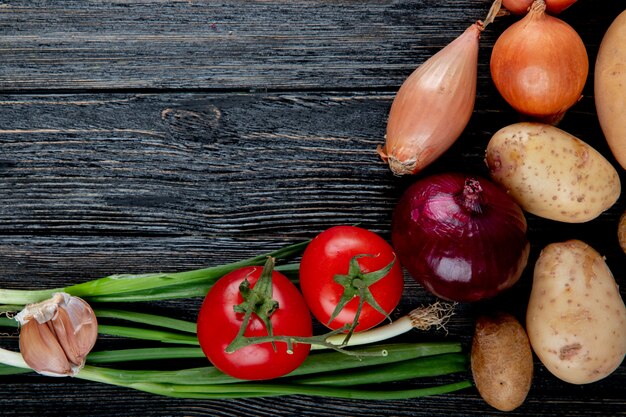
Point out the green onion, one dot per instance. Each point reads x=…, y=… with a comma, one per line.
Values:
x=144, y=354
x=156, y=285
x=152, y=319
x=337, y=361
x=317, y=363
x=11, y=370
x=7, y=322
x=423, y=318
x=188, y=338
x=398, y=371
x=208, y=382
x=246, y=390
x=171, y=292
x=147, y=334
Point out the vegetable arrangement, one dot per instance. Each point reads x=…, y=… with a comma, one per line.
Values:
x=445, y=224
x=461, y=236
x=254, y=325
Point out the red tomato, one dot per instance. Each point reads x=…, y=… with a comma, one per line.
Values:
x=218, y=325
x=328, y=255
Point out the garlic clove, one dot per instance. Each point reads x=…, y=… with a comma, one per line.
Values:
x=41, y=351
x=57, y=334
x=76, y=330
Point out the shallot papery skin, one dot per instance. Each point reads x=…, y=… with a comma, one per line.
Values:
x=433, y=106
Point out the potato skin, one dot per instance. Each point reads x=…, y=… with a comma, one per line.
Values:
x=621, y=231
x=610, y=87
x=551, y=173
x=501, y=361
x=576, y=318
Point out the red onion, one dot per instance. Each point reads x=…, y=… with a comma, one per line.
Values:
x=461, y=237
x=522, y=6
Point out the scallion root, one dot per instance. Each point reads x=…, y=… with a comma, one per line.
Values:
x=435, y=315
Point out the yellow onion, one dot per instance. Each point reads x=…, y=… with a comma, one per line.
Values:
x=540, y=65
x=433, y=105
x=522, y=6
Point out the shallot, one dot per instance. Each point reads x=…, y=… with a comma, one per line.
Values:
x=434, y=104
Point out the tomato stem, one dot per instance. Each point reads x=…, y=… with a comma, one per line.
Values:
x=356, y=283
x=257, y=300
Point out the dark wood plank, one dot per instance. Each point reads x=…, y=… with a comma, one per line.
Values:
x=237, y=44
x=134, y=164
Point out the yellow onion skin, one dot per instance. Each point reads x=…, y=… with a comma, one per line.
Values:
x=433, y=106
x=540, y=65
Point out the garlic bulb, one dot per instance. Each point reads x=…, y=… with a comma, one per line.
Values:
x=57, y=334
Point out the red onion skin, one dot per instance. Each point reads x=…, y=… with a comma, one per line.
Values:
x=521, y=6
x=460, y=247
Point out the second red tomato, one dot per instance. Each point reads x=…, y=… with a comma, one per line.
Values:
x=329, y=254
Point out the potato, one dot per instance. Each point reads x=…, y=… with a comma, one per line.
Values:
x=576, y=319
x=501, y=361
x=552, y=174
x=621, y=231
x=610, y=87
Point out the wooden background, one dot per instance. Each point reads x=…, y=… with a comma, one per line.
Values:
x=164, y=135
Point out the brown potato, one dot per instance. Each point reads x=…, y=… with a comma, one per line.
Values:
x=576, y=318
x=621, y=231
x=551, y=173
x=501, y=361
x=610, y=87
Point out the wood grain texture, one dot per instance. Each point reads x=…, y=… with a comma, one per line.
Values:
x=139, y=162
x=237, y=44
x=144, y=136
